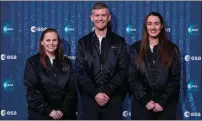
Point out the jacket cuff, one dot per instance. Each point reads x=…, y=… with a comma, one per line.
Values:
x=94, y=92
x=162, y=101
x=48, y=110
x=144, y=100
x=107, y=91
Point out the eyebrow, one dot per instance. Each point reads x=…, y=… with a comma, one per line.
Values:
x=152, y=22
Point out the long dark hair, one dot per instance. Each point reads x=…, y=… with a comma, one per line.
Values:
x=59, y=52
x=164, y=49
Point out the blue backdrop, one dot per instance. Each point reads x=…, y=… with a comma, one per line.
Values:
x=23, y=22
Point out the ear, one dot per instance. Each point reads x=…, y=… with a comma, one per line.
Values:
x=109, y=19
x=41, y=42
x=161, y=26
x=91, y=17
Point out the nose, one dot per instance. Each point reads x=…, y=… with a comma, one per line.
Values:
x=51, y=42
x=153, y=26
x=100, y=18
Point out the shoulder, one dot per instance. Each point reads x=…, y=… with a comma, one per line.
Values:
x=67, y=60
x=34, y=59
x=136, y=45
x=174, y=47
x=117, y=37
x=85, y=38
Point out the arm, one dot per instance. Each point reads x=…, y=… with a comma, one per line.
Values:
x=173, y=85
x=82, y=77
x=34, y=98
x=134, y=82
x=69, y=105
x=121, y=74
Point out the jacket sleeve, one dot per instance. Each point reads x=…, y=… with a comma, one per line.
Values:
x=34, y=98
x=69, y=105
x=173, y=85
x=81, y=69
x=121, y=74
x=134, y=81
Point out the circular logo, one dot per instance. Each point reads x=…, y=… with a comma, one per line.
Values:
x=187, y=58
x=189, y=30
x=5, y=85
x=125, y=113
x=33, y=29
x=5, y=29
x=189, y=86
x=186, y=114
x=3, y=57
x=130, y=29
x=3, y=112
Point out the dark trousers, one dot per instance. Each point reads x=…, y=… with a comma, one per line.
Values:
x=92, y=111
x=139, y=112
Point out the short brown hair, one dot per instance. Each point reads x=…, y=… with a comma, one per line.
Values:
x=100, y=5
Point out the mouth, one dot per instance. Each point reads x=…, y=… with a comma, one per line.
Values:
x=51, y=47
x=153, y=31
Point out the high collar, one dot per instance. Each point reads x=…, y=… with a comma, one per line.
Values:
x=107, y=34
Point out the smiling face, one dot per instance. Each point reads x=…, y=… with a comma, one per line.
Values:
x=100, y=18
x=153, y=26
x=50, y=42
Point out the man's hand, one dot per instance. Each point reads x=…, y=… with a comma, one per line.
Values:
x=59, y=114
x=53, y=114
x=101, y=99
x=157, y=108
x=150, y=105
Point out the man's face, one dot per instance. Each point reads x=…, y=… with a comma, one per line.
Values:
x=100, y=18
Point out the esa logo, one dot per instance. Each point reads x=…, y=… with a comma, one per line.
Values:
x=193, y=86
x=69, y=29
x=8, y=57
x=188, y=114
x=126, y=113
x=193, y=29
x=7, y=28
x=39, y=29
x=130, y=29
x=8, y=113
x=190, y=58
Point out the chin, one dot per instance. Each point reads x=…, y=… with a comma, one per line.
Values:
x=153, y=35
x=51, y=51
x=101, y=28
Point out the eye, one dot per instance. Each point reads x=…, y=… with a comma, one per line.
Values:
x=157, y=23
x=149, y=23
x=103, y=15
x=48, y=40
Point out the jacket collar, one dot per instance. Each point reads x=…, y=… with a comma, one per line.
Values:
x=106, y=44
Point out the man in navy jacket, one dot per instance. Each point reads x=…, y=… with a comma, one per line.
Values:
x=101, y=64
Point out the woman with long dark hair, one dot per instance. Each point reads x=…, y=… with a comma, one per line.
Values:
x=49, y=81
x=154, y=72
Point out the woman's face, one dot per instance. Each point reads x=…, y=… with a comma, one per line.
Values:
x=50, y=42
x=154, y=26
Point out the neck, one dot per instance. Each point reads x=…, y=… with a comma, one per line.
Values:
x=51, y=55
x=153, y=42
x=101, y=33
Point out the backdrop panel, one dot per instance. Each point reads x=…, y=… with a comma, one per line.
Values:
x=23, y=22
